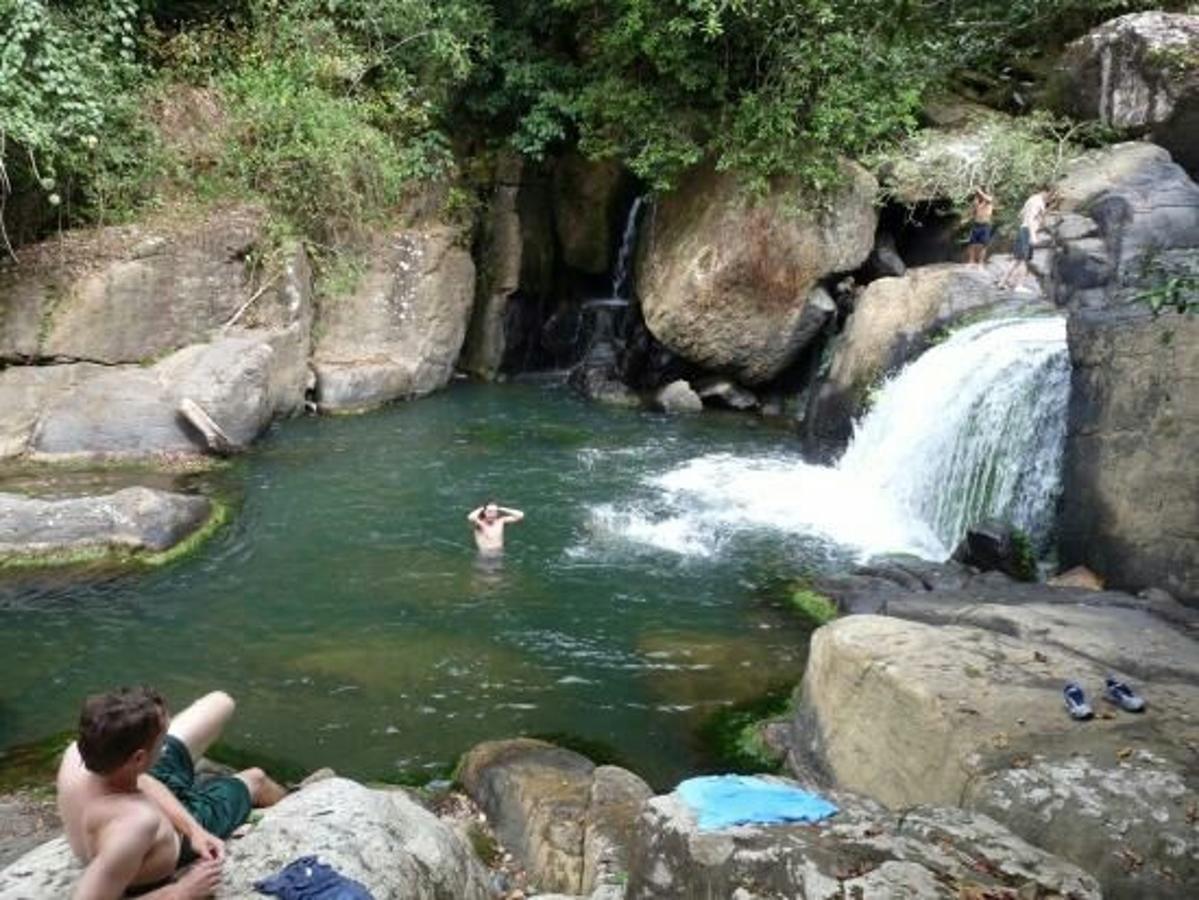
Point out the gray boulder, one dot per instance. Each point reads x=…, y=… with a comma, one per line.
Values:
x=131, y=294
x=1139, y=72
x=135, y=519
x=85, y=411
x=862, y=851
x=961, y=705
x=398, y=334
x=678, y=397
x=730, y=282
x=1129, y=229
x=381, y=838
x=566, y=819
x=727, y=394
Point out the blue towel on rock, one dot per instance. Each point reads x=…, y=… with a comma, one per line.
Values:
x=307, y=878
x=720, y=801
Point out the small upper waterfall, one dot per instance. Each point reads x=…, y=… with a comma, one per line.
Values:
x=972, y=429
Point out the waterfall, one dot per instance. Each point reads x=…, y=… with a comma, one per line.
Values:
x=624, y=258
x=974, y=428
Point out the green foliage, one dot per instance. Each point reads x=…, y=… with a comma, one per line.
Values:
x=1010, y=158
x=1025, y=562
x=1167, y=285
x=815, y=606
x=732, y=736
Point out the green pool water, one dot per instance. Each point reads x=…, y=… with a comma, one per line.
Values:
x=346, y=610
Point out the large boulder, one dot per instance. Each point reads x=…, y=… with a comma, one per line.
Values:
x=516, y=261
x=136, y=519
x=241, y=382
x=1139, y=72
x=963, y=707
x=129, y=294
x=1129, y=229
x=381, y=838
x=893, y=321
x=568, y=820
x=862, y=851
x=397, y=335
x=730, y=281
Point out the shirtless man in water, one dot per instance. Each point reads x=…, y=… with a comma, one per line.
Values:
x=489, y=521
x=130, y=805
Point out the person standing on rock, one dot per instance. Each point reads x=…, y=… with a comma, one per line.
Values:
x=982, y=209
x=130, y=804
x=489, y=521
x=1032, y=215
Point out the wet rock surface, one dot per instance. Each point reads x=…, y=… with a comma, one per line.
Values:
x=132, y=520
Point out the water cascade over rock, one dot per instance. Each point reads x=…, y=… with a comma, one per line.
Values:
x=972, y=429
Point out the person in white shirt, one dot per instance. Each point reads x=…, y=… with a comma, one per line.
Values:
x=1032, y=217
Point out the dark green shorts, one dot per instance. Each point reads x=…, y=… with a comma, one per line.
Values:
x=219, y=804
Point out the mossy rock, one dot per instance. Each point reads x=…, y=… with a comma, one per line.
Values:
x=813, y=605
x=732, y=737
x=33, y=765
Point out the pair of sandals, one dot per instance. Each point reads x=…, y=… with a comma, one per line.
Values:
x=1114, y=691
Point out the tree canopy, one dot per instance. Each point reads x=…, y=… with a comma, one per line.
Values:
x=353, y=99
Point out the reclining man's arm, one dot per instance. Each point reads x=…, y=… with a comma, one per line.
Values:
x=124, y=843
x=206, y=846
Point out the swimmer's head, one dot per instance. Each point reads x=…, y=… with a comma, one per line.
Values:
x=491, y=511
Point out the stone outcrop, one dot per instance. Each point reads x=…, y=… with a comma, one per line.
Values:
x=85, y=411
x=567, y=819
x=862, y=851
x=589, y=199
x=1130, y=224
x=516, y=262
x=1139, y=72
x=678, y=397
x=136, y=519
x=954, y=697
x=731, y=282
x=380, y=838
x=893, y=321
x=140, y=319
x=129, y=295
x=398, y=334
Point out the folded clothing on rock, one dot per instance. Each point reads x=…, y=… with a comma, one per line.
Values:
x=720, y=801
x=307, y=878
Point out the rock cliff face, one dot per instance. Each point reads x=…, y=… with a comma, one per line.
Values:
x=1130, y=224
x=398, y=334
x=1139, y=72
x=731, y=283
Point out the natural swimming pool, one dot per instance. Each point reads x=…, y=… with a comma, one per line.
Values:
x=345, y=609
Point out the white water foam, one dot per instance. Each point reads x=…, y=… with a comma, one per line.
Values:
x=973, y=428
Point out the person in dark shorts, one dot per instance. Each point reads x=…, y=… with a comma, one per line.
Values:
x=131, y=805
x=982, y=210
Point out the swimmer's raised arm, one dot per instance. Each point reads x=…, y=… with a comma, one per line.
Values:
x=474, y=514
x=511, y=515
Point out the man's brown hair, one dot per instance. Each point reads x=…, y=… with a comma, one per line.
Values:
x=113, y=726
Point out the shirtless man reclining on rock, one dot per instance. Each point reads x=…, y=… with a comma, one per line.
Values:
x=130, y=804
